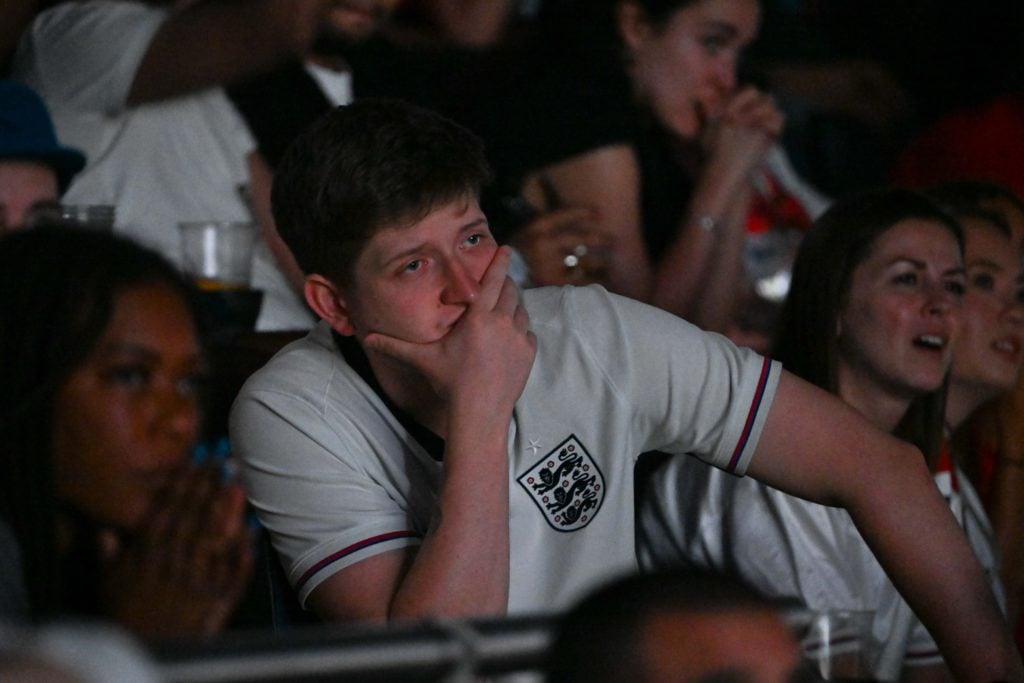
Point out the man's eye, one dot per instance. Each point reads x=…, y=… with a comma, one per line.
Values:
x=412, y=266
x=473, y=240
x=955, y=287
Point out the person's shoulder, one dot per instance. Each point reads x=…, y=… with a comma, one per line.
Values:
x=303, y=363
x=558, y=305
x=593, y=302
x=559, y=297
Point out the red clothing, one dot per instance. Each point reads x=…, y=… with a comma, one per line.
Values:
x=985, y=142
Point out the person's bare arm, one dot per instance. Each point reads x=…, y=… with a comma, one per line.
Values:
x=607, y=180
x=818, y=448
x=1006, y=507
x=212, y=42
x=461, y=568
x=700, y=276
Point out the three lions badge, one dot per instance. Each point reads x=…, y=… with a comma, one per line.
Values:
x=566, y=485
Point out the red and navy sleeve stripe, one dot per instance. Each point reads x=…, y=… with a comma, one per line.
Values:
x=345, y=552
x=755, y=406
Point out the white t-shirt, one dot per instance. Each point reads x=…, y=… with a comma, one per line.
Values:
x=336, y=478
x=182, y=159
x=789, y=548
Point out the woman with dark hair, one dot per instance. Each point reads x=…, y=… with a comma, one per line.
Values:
x=872, y=316
x=635, y=109
x=99, y=414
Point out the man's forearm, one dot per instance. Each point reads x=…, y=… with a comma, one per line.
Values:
x=461, y=570
x=908, y=525
x=213, y=42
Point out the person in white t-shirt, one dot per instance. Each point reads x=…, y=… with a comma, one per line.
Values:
x=137, y=87
x=440, y=446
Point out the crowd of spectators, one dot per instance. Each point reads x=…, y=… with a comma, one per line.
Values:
x=778, y=201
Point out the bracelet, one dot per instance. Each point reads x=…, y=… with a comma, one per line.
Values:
x=707, y=223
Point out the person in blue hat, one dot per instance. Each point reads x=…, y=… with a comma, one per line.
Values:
x=35, y=168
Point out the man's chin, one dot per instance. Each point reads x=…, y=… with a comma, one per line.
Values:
x=348, y=27
x=333, y=43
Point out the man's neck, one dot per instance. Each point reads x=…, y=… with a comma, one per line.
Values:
x=411, y=392
x=406, y=393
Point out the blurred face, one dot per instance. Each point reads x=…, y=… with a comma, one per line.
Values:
x=129, y=416
x=24, y=186
x=686, y=69
x=415, y=282
x=988, y=356
x=355, y=20
x=901, y=315
x=692, y=647
x=1014, y=217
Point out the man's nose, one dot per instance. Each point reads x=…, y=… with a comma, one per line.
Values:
x=460, y=286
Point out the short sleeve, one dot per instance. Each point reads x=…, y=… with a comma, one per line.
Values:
x=688, y=391
x=316, y=479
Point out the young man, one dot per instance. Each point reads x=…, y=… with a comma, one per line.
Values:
x=440, y=446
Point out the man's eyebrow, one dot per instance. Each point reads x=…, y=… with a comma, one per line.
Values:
x=474, y=224
x=400, y=255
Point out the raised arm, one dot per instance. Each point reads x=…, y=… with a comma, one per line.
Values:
x=816, y=447
x=211, y=42
x=700, y=276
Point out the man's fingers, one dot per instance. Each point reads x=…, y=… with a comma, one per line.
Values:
x=508, y=297
x=494, y=279
x=521, y=318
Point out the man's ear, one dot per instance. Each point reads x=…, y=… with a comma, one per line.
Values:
x=327, y=301
x=631, y=21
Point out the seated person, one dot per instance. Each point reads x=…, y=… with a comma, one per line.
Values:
x=35, y=169
x=636, y=109
x=681, y=625
x=987, y=363
x=442, y=446
x=99, y=415
x=872, y=316
x=138, y=87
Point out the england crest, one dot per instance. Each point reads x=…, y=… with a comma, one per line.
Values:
x=566, y=485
